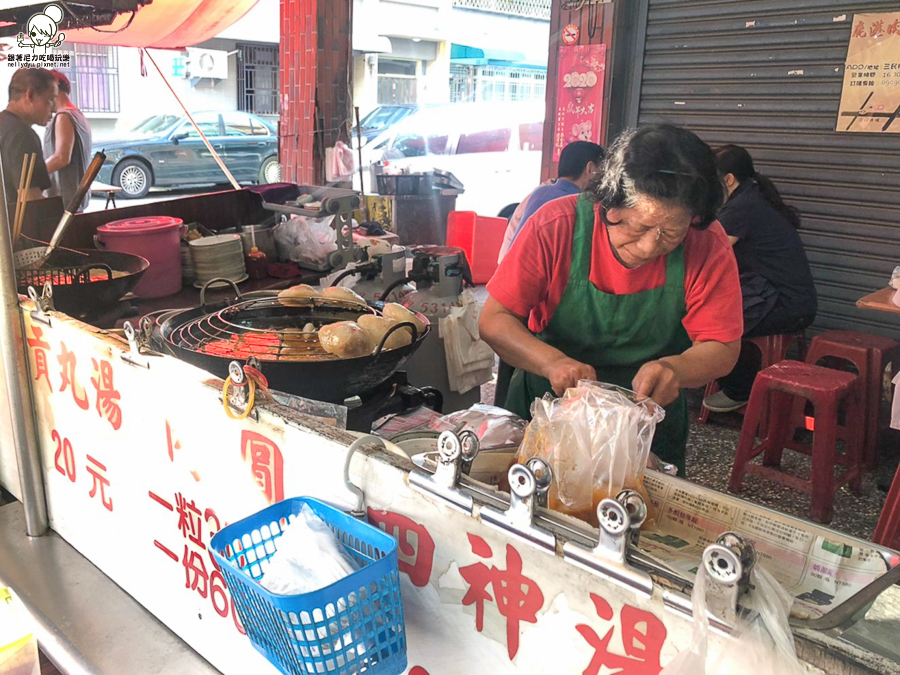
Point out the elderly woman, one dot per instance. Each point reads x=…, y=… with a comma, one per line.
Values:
x=631, y=282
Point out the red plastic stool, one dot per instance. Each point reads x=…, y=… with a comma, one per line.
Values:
x=870, y=354
x=887, y=532
x=774, y=348
x=826, y=389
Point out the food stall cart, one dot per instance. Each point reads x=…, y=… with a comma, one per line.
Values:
x=142, y=466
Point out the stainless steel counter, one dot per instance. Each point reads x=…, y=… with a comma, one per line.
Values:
x=84, y=622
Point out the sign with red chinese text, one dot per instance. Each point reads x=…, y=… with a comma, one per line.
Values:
x=870, y=98
x=581, y=76
x=140, y=484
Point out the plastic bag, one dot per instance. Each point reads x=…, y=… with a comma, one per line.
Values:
x=761, y=644
x=597, y=440
x=495, y=427
x=470, y=361
x=309, y=557
x=306, y=241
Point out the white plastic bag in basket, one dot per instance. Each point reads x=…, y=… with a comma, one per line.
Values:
x=764, y=644
x=308, y=557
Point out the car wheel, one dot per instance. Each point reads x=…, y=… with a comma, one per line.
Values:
x=134, y=177
x=270, y=171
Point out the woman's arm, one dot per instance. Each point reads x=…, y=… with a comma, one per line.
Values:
x=700, y=364
x=65, y=141
x=509, y=337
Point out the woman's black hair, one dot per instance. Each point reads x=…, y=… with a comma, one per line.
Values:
x=737, y=161
x=663, y=162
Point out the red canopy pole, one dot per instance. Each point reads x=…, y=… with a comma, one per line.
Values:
x=314, y=74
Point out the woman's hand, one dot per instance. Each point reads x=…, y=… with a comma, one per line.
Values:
x=658, y=380
x=564, y=372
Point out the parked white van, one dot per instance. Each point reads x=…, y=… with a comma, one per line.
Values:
x=494, y=149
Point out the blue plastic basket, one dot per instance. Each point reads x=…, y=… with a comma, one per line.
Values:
x=353, y=627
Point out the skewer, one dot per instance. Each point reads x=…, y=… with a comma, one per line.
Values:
x=20, y=197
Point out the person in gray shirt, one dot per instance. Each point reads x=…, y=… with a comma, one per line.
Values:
x=67, y=145
x=32, y=100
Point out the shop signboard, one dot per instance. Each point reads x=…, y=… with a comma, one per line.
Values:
x=142, y=467
x=579, y=95
x=870, y=98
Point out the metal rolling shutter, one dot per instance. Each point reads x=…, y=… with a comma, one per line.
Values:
x=767, y=75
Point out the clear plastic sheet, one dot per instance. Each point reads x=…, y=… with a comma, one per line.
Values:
x=760, y=643
x=597, y=440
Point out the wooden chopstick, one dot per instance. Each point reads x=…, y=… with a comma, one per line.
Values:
x=21, y=218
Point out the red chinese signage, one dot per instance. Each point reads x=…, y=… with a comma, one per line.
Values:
x=579, y=95
x=265, y=463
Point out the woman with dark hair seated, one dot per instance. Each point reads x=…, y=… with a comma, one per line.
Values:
x=778, y=291
x=631, y=282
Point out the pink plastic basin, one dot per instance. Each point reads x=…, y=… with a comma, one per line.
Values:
x=156, y=238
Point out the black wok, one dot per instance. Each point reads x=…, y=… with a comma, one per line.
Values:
x=326, y=380
x=89, y=298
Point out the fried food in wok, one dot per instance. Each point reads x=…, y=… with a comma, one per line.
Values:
x=345, y=339
x=341, y=293
x=299, y=292
x=376, y=326
x=399, y=313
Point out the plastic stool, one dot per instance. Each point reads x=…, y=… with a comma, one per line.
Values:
x=826, y=389
x=887, y=532
x=870, y=354
x=774, y=348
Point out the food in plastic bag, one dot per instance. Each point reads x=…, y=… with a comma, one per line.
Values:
x=399, y=313
x=495, y=427
x=345, y=339
x=341, y=293
x=306, y=241
x=308, y=558
x=298, y=292
x=376, y=326
x=596, y=439
x=761, y=644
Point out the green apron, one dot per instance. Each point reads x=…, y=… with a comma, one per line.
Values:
x=616, y=334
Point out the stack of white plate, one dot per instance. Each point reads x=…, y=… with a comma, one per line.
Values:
x=221, y=256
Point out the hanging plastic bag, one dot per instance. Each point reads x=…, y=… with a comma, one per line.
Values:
x=306, y=241
x=597, y=440
x=470, y=361
x=762, y=643
x=340, y=164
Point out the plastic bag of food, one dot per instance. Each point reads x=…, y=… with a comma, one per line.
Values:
x=597, y=440
x=306, y=241
x=760, y=643
x=495, y=427
x=309, y=557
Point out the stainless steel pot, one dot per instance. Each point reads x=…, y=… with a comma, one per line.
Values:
x=265, y=239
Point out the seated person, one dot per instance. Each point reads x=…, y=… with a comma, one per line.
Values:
x=777, y=286
x=578, y=162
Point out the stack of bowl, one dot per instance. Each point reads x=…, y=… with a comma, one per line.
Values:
x=221, y=256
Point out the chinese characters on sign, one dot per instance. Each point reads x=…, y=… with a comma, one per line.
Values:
x=643, y=636
x=415, y=546
x=518, y=598
x=870, y=98
x=265, y=463
x=205, y=581
x=579, y=95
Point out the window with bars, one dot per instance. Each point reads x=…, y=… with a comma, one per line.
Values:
x=93, y=71
x=258, y=79
x=496, y=83
x=539, y=9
